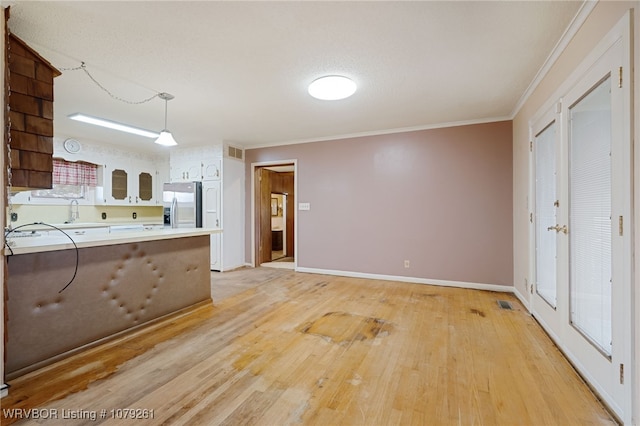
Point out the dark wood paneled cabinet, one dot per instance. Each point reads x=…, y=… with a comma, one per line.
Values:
x=276, y=240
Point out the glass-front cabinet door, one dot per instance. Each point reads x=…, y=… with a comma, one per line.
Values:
x=145, y=187
x=119, y=185
x=127, y=184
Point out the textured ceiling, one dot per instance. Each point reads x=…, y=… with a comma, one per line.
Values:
x=239, y=70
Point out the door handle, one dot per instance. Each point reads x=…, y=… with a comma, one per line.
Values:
x=559, y=228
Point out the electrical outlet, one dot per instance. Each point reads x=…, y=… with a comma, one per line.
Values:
x=135, y=215
x=406, y=263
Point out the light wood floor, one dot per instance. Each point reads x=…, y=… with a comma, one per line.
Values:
x=297, y=348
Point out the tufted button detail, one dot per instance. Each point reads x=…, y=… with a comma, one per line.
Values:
x=138, y=260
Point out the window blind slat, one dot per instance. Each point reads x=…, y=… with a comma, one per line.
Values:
x=590, y=215
x=545, y=169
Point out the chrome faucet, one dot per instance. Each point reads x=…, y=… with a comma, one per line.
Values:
x=73, y=215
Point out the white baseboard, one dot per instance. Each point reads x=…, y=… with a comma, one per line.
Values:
x=522, y=299
x=4, y=391
x=234, y=267
x=444, y=283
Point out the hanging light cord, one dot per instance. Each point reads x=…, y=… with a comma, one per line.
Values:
x=83, y=67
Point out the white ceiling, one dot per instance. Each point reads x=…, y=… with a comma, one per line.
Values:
x=239, y=70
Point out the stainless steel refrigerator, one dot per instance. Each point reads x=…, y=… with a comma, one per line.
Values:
x=182, y=204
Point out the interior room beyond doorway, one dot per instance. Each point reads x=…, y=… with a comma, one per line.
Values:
x=275, y=216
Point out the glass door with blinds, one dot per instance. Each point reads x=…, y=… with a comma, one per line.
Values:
x=546, y=149
x=581, y=200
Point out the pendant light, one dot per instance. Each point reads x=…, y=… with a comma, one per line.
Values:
x=166, y=138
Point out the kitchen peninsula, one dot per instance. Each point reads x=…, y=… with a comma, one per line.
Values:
x=116, y=281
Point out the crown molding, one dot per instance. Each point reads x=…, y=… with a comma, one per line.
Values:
x=577, y=22
x=383, y=132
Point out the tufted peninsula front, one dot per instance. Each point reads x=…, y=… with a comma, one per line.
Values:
x=117, y=287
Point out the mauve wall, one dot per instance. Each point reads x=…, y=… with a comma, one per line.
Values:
x=440, y=198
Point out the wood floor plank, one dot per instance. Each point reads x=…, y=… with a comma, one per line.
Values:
x=294, y=348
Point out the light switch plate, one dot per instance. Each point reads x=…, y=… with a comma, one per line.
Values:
x=304, y=206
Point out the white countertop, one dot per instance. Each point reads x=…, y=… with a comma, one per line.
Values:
x=24, y=245
x=75, y=225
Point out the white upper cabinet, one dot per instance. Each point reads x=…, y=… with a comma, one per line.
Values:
x=196, y=164
x=211, y=169
x=186, y=166
x=186, y=170
x=127, y=184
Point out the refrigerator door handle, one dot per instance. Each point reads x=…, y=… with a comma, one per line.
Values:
x=173, y=214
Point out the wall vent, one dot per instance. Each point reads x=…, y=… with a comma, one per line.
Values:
x=235, y=152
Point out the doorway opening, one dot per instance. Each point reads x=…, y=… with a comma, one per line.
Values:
x=274, y=215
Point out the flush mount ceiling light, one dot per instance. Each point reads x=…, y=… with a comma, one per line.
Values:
x=332, y=88
x=166, y=138
x=113, y=125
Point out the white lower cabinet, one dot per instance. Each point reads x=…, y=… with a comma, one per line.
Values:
x=156, y=227
x=212, y=219
x=216, y=254
x=95, y=230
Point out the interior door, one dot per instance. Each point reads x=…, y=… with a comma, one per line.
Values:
x=289, y=188
x=582, y=250
x=262, y=185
